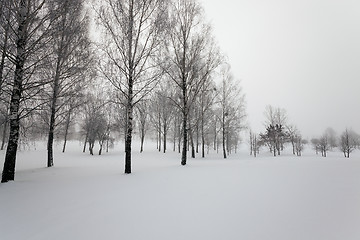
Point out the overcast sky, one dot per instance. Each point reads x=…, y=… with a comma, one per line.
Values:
x=303, y=56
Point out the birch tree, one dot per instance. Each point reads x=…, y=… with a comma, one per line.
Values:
x=30, y=33
x=231, y=112
x=133, y=30
x=191, y=56
x=68, y=63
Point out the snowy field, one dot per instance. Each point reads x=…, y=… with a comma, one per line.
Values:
x=89, y=197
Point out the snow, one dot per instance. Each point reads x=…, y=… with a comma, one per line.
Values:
x=89, y=197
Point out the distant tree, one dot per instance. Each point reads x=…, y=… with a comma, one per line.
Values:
x=293, y=135
x=299, y=144
x=349, y=141
x=277, y=116
x=254, y=144
x=162, y=112
x=143, y=116
x=231, y=103
x=68, y=62
x=332, y=138
x=324, y=144
x=206, y=101
x=315, y=142
x=274, y=138
x=70, y=112
x=96, y=125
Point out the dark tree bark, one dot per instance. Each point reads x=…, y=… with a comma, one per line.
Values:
x=192, y=144
x=86, y=140
x=10, y=157
x=135, y=29
x=129, y=129
x=202, y=138
x=67, y=125
x=184, y=149
x=142, y=138
x=159, y=131
x=164, y=135
x=50, y=161
x=91, y=147
x=224, y=137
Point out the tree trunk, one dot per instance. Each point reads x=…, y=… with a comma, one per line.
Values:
x=107, y=145
x=215, y=136
x=66, y=129
x=293, y=145
x=91, y=146
x=165, y=133
x=274, y=150
x=175, y=129
x=192, y=144
x=157, y=139
x=202, y=139
x=128, y=138
x=101, y=143
x=4, y=131
x=8, y=173
x=142, y=140
x=197, y=139
x=50, y=161
x=179, y=138
x=223, y=135
x=184, y=149
x=86, y=140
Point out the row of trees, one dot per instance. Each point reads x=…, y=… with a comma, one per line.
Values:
x=166, y=42
x=279, y=133
x=155, y=60
x=347, y=142
x=45, y=59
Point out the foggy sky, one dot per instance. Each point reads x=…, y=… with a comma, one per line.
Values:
x=303, y=56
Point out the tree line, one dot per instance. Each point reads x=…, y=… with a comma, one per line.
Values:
x=154, y=63
x=278, y=133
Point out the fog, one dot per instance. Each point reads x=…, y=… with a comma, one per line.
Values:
x=299, y=55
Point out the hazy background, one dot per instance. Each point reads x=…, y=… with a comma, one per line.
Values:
x=303, y=56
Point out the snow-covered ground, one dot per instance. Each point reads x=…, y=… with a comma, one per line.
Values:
x=242, y=198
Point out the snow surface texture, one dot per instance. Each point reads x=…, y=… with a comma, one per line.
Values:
x=242, y=198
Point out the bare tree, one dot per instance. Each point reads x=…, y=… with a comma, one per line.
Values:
x=275, y=115
x=299, y=144
x=293, y=134
x=349, y=141
x=231, y=103
x=143, y=115
x=191, y=56
x=96, y=124
x=133, y=31
x=275, y=124
x=332, y=137
x=68, y=63
x=206, y=101
x=324, y=144
x=316, y=145
x=30, y=33
x=254, y=144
